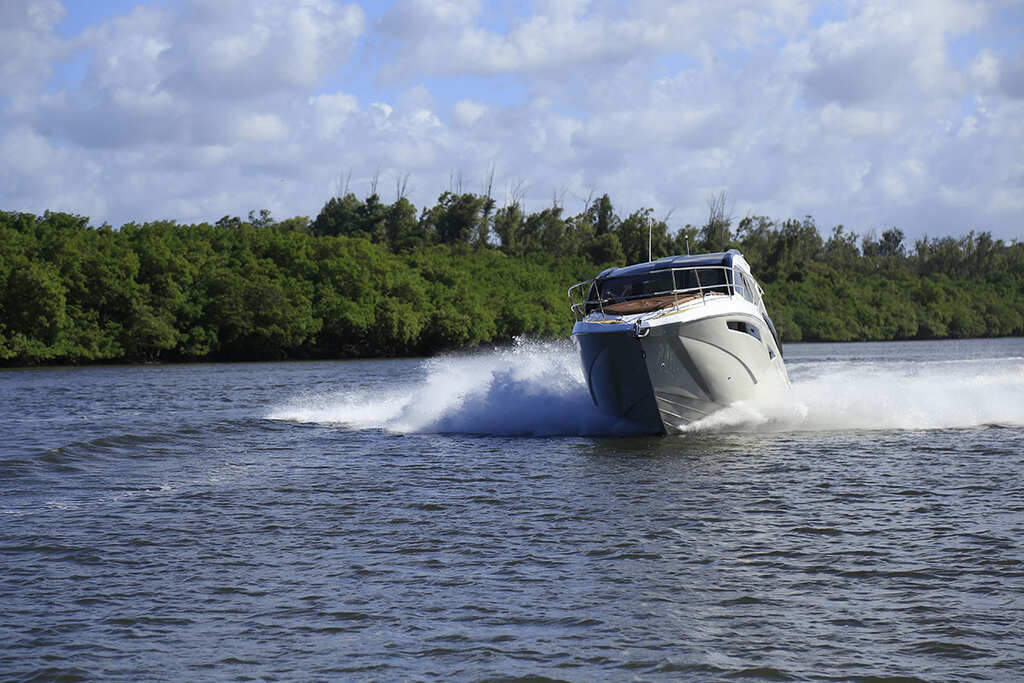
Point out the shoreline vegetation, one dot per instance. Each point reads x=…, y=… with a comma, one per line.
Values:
x=369, y=279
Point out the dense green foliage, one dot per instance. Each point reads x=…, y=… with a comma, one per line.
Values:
x=371, y=279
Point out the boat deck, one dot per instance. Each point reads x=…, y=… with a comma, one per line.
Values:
x=652, y=303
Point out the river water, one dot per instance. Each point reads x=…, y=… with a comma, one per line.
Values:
x=472, y=517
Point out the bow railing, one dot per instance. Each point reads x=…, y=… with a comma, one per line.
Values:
x=658, y=289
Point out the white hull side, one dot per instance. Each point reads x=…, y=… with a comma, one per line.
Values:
x=685, y=368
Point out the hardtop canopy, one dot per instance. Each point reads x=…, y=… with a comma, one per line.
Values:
x=721, y=258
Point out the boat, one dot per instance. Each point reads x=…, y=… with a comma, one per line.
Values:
x=671, y=341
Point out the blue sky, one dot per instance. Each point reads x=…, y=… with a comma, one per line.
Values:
x=866, y=114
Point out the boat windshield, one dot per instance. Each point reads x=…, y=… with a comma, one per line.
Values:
x=625, y=288
x=658, y=283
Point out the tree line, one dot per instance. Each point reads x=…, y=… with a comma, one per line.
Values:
x=367, y=278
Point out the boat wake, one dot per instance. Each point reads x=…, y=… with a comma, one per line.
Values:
x=532, y=389
x=891, y=395
x=537, y=388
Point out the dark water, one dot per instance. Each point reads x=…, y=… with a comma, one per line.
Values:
x=464, y=518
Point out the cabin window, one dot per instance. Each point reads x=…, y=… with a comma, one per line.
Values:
x=745, y=287
x=751, y=286
x=745, y=327
x=703, y=279
x=741, y=286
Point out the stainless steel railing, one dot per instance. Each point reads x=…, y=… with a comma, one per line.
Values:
x=604, y=295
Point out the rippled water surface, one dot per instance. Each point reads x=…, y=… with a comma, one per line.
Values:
x=473, y=517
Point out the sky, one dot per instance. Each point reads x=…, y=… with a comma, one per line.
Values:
x=867, y=114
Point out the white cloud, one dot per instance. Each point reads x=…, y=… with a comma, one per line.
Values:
x=856, y=121
x=331, y=111
x=261, y=128
x=425, y=119
x=232, y=49
x=1008, y=199
x=571, y=34
x=984, y=70
x=467, y=112
x=1011, y=77
x=877, y=114
x=28, y=45
x=25, y=153
x=383, y=108
x=883, y=50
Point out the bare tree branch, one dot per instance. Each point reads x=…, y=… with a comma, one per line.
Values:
x=340, y=188
x=489, y=183
x=374, y=180
x=401, y=187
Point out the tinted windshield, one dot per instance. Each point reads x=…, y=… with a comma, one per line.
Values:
x=706, y=279
x=648, y=284
x=664, y=282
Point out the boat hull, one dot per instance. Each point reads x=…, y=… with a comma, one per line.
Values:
x=666, y=376
x=615, y=368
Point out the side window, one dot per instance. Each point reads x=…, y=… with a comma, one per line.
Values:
x=740, y=283
x=751, y=288
x=745, y=327
x=713, y=280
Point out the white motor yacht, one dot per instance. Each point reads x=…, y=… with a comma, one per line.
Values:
x=668, y=342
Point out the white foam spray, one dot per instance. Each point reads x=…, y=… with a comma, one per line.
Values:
x=531, y=388
x=868, y=395
x=537, y=388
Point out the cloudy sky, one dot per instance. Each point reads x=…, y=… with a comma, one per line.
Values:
x=869, y=114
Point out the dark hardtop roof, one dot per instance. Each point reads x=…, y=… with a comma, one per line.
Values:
x=721, y=258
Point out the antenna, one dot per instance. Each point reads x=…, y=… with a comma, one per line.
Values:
x=687, y=237
x=650, y=228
